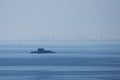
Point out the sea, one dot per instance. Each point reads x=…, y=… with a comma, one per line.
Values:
x=70, y=62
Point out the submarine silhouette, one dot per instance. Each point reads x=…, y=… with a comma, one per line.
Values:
x=41, y=50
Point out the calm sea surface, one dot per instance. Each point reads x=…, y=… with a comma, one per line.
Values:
x=81, y=62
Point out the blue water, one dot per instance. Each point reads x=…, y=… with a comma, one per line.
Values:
x=73, y=62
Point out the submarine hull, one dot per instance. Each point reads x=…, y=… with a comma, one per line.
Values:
x=41, y=50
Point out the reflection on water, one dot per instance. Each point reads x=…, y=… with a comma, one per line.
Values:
x=77, y=63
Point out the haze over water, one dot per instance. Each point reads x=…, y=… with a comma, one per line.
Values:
x=85, y=34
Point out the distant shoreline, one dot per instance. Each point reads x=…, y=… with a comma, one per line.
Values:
x=52, y=42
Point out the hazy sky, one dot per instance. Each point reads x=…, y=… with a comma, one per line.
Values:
x=41, y=19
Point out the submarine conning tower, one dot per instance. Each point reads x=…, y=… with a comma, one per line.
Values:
x=40, y=49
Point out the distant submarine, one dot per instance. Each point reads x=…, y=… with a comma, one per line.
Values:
x=41, y=50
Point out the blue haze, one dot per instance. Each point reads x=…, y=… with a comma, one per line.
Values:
x=85, y=34
x=59, y=19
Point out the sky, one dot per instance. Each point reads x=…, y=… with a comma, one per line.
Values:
x=59, y=19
